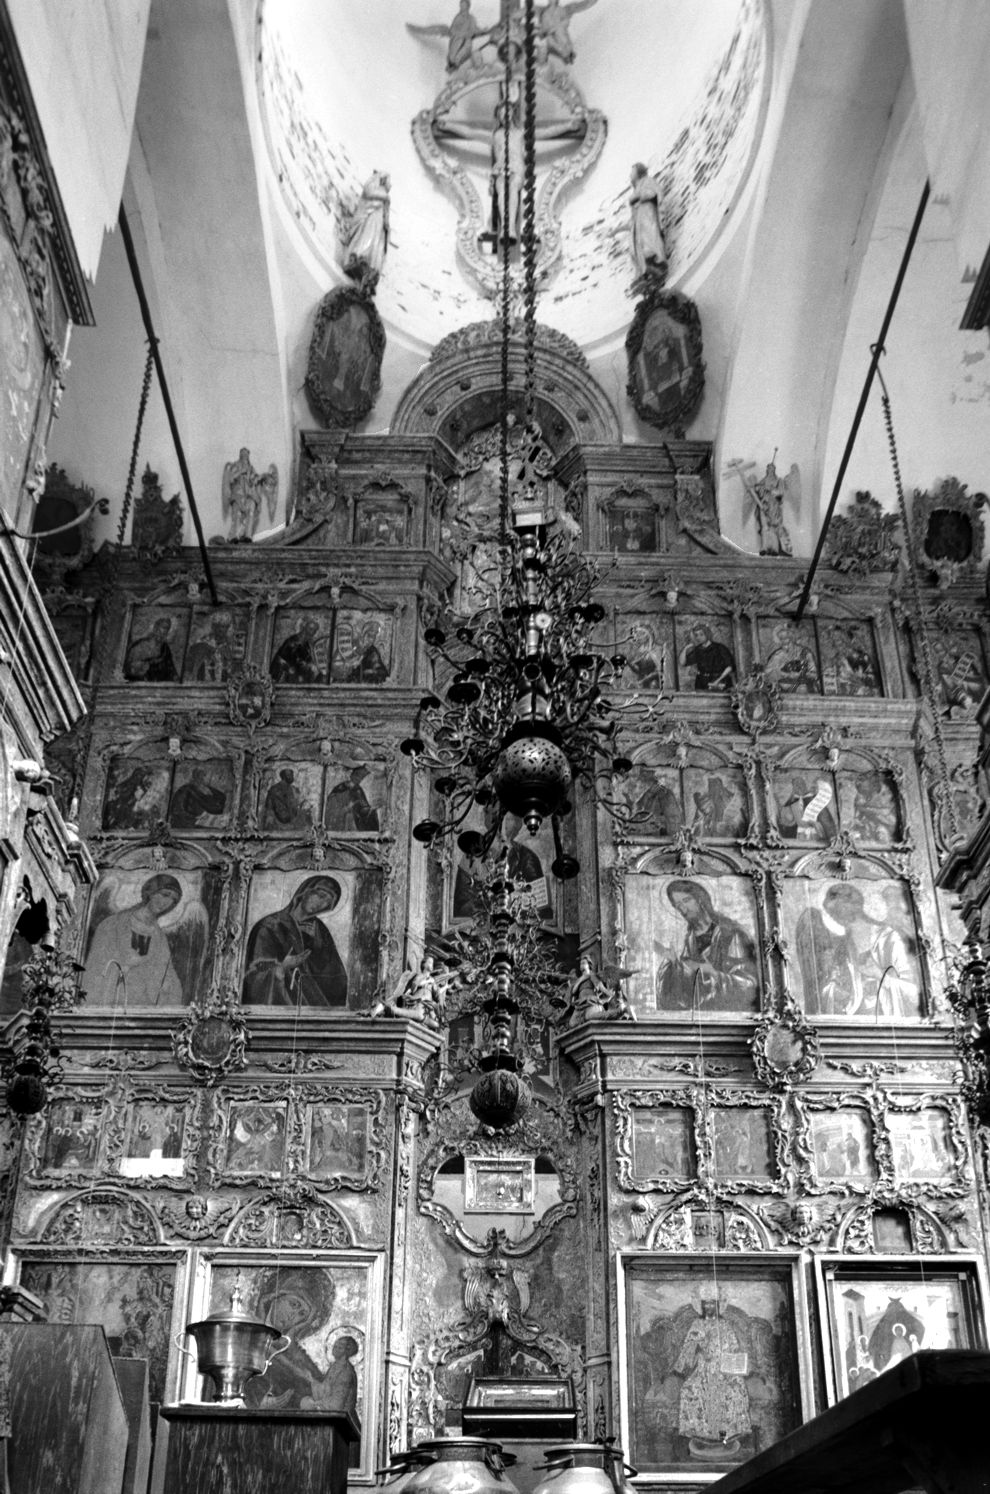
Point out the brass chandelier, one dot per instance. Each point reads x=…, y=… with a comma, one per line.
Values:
x=526, y=710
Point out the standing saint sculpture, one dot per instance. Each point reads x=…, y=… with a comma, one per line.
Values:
x=367, y=237
x=649, y=250
x=766, y=499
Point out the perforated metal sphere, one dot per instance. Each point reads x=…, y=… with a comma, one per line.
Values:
x=532, y=778
x=499, y=1098
x=27, y=1094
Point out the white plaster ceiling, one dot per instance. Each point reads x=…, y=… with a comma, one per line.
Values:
x=790, y=258
x=682, y=86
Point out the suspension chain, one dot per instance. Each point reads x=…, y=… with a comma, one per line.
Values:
x=504, y=236
x=529, y=244
x=928, y=682
x=98, y=661
x=149, y=365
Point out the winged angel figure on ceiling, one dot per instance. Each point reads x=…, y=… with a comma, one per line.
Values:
x=470, y=141
x=553, y=24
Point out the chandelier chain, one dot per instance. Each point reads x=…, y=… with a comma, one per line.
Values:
x=135, y=447
x=529, y=213
x=921, y=625
x=506, y=318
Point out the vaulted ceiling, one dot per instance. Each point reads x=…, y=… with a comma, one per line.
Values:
x=787, y=132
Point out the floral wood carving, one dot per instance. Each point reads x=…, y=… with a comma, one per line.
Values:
x=857, y=1235
x=102, y=1218
x=249, y=698
x=863, y=541
x=293, y=1217
x=495, y=1293
x=785, y=1050
x=158, y=522
x=948, y=530
x=756, y=702
x=212, y=1040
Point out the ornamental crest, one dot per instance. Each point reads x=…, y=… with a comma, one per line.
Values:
x=863, y=540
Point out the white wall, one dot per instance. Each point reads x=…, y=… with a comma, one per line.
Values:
x=84, y=61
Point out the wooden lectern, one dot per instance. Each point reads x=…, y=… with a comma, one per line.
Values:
x=237, y=1450
x=923, y=1424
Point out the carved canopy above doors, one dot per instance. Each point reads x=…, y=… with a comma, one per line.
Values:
x=459, y=391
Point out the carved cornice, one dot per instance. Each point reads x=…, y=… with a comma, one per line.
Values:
x=18, y=96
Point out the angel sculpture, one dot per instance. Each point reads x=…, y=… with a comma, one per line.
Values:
x=197, y=1217
x=593, y=994
x=767, y=497
x=242, y=492
x=460, y=35
x=495, y=1292
x=420, y=993
x=554, y=22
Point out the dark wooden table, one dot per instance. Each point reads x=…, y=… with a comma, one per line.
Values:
x=923, y=1424
x=210, y=1449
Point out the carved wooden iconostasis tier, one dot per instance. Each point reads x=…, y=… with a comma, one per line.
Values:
x=44, y=866
x=716, y=1218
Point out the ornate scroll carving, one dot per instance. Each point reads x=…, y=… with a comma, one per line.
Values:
x=212, y=1040
x=293, y=1217
x=102, y=1219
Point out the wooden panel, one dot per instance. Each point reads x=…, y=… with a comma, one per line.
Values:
x=923, y=1423
x=209, y=1450
x=132, y=1381
x=69, y=1429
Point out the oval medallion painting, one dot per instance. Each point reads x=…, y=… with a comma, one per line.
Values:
x=666, y=370
x=343, y=376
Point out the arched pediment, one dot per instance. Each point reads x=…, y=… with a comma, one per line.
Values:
x=459, y=391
